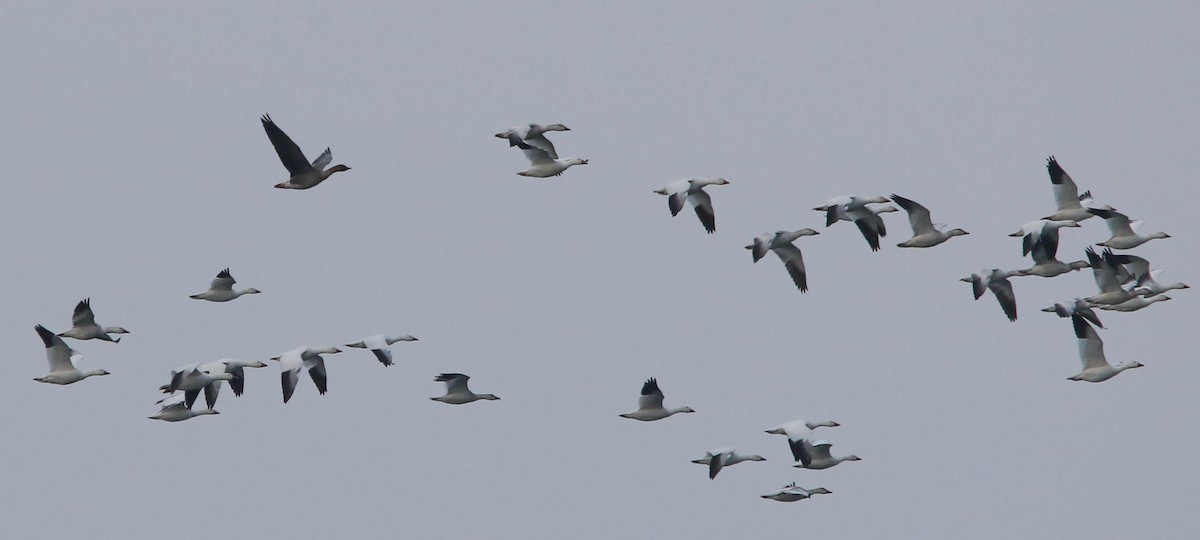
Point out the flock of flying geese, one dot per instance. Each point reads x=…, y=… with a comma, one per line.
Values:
x=1125, y=282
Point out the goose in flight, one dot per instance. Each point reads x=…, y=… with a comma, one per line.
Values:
x=534, y=135
x=818, y=456
x=924, y=233
x=173, y=409
x=542, y=165
x=1148, y=284
x=303, y=175
x=1091, y=353
x=1125, y=233
x=793, y=493
x=457, y=392
x=308, y=358
x=1071, y=205
x=221, y=289
x=855, y=209
x=1105, y=273
x=83, y=325
x=62, y=359
x=650, y=404
x=692, y=190
x=378, y=344
x=1047, y=266
x=236, y=368
x=995, y=280
x=1072, y=307
x=724, y=457
x=798, y=433
x=780, y=242
x=1043, y=233
x=1136, y=303
x=192, y=379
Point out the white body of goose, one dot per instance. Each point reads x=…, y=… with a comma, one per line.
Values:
x=798, y=433
x=173, y=409
x=1091, y=353
x=650, y=405
x=1125, y=233
x=235, y=368
x=1136, y=303
x=1148, y=284
x=854, y=209
x=1105, y=274
x=691, y=190
x=221, y=289
x=457, y=392
x=1071, y=205
x=62, y=360
x=793, y=493
x=819, y=458
x=83, y=325
x=307, y=358
x=542, y=164
x=191, y=379
x=1042, y=232
x=378, y=344
x=924, y=233
x=780, y=242
x=1071, y=307
x=724, y=457
x=1048, y=266
x=533, y=135
x=995, y=280
x=303, y=174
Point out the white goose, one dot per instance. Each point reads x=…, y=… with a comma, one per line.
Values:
x=221, y=289
x=1136, y=303
x=1125, y=233
x=236, y=368
x=1105, y=274
x=1091, y=352
x=793, y=493
x=650, y=404
x=533, y=134
x=542, y=164
x=854, y=209
x=924, y=233
x=378, y=344
x=780, y=242
x=1047, y=266
x=303, y=175
x=1071, y=307
x=995, y=280
x=192, y=379
x=457, y=392
x=692, y=191
x=173, y=409
x=798, y=433
x=307, y=358
x=724, y=457
x=83, y=325
x=1042, y=232
x=1148, y=284
x=818, y=456
x=1071, y=205
x=62, y=360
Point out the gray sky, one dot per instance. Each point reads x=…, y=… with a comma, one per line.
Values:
x=139, y=169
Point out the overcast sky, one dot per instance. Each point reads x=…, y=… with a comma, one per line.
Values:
x=138, y=169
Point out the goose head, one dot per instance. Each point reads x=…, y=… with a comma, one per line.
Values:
x=251, y=291
x=956, y=232
x=555, y=127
